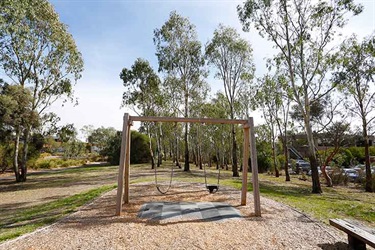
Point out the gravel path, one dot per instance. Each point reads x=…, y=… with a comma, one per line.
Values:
x=96, y=227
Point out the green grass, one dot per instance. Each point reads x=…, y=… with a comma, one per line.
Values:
x=337, y=202
x=29, y=219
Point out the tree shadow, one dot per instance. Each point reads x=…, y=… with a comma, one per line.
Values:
x=336, y=246
x=58, y=181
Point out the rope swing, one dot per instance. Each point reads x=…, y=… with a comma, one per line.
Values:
x=156, y=175
x=212, y=188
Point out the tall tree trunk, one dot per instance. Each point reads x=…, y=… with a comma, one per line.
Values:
x=324, y=166
x=164, y=148
x=25, y=150
x=158, y=141
x=277, y=174
x=150, y=147
x=186, y=167
x=368, y=186
x=15, y=156
x=286, y=166
x=194, y=151
x=177, y=153
x=326, y=176
x=234, y=153
x=217, y=160
x=200, y=157
x=159, y=162
x=164, y=151
x=316, y=189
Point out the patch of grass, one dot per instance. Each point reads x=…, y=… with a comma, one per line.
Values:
x=29, y=219
x=336, y=202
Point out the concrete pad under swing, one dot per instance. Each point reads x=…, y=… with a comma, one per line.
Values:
x=188, y=211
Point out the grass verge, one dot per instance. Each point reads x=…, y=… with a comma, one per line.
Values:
x=336, y=202
x=31, y=218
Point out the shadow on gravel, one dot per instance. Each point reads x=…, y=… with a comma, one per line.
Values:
x=336, y=246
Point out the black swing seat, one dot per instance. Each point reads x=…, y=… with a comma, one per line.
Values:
x=211, y=188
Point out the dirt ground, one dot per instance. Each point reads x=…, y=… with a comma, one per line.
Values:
x=49, y=185
x=94, y=226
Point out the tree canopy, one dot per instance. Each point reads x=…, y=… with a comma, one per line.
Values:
x=37, y=52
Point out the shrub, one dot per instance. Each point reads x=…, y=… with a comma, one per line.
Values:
x=264, y=163
x=56, y=163
x=363, y=180
x=338, y=178
x=44, y=155
x=358, y=153
x=139, y=152
x=344, y=157
x=6, y=160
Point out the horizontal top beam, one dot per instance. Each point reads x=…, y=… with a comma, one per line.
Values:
x=182, y=119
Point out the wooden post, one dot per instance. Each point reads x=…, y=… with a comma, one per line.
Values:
x=121, y=170
x=254, y=169
x=245, y=163
x=127, y=166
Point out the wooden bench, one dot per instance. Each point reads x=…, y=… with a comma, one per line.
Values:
x=357, y=237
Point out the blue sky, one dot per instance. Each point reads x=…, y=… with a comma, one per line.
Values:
x=112, y=34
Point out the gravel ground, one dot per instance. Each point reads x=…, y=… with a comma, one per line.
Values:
x=95, y=226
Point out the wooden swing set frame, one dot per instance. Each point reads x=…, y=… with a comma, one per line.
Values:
x=249, y=144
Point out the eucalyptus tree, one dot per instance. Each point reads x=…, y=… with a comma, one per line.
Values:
x=67, y=135
x=180, y=58
x=264, y=149
x=232, y=57
x=219, y=108
x=100, y=137
x=302, y=32
x=334, y=137
x=37, y=52
x=198, y=132
x=274, y=101
x=142, y=94
x=355, y=77
x=15, y=115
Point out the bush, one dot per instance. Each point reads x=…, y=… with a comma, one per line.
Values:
x=56, y=163
x=44, y=155
x=358, y=153
x=344, y=157
x=140, y=148
x=338, y=178
x=373, y=182
x=264, y=163
x=363, y=180
x=139, y=152
x=6, y=161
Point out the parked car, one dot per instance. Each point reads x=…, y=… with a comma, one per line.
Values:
x=351, y=173
x=310, y=172
x=359, y=167
x=303, y=165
